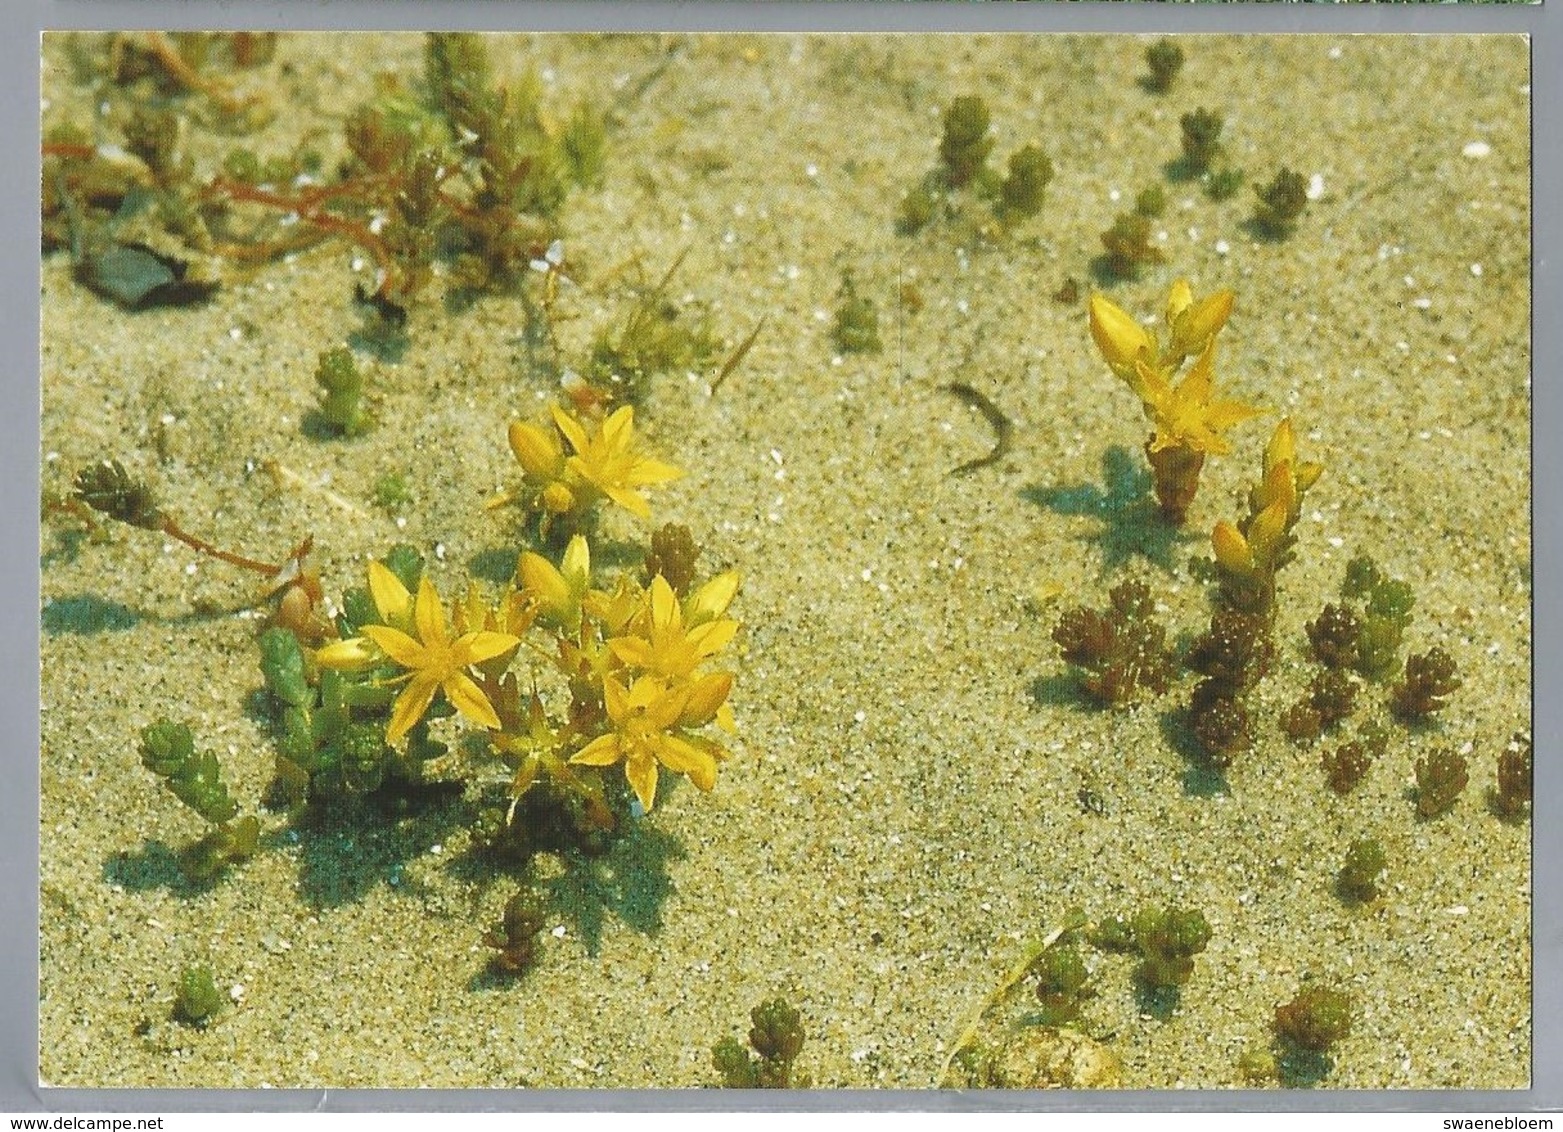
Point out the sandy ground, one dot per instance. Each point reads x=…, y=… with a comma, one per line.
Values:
x=905, y=807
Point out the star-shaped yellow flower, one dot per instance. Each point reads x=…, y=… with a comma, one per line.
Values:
x=664, y=646
x=1188, y=415
x=646, y=718
x=608, y=462
x=435, y=661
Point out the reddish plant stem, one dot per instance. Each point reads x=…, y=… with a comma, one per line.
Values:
x=68, y=149
x=308, y=207
x=173, y=530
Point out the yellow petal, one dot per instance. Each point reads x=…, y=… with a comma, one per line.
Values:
x=644, y=472
x=1201, y=378
x=1222, y=415
x=711, y=600
x=632, y=502
x=601, y=751
x=1199, y=324
x=664, y=606
x=618, y=431
x=477, y=647
x=666, y=706
x=535, y=449
x=616, y=610
x=1232, y=549
x=642, y=775
x=467, y=698
x=615, y=699
x=1149, y=386
x=577, y=561
x=356, y=652
x=570, y=427
x=1277, y=485
x=1264, y=533
x=643, y=693
x=429, y=614
x=543, y=582
x=410, y=706
x=397, y=645
x=1282, y=446
x=685, y=758
x=712, y=637
x=390, y=596
x=707, y=696
x=725, y=720
x=1308, y=475
x=1179, y=299
x=1121, y=340
x=633, y=651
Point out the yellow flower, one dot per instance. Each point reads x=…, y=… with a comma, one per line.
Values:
x=395, y=607
x=1121, y=339
x=542, y=458
x=614, y=611
x=607, y=460
x=645, y=719
x=1257, y=552
x=537, y=450
x=435, y=662
x=663, y=646
x=1188, y=415
x=1126, y=345
x=1194, y=324
x=557, y=593
x=1285, y=479
x=513, y=615
x=1189, y=418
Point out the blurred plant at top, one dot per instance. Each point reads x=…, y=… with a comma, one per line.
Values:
x=1188, y=419
x=657, y=336
x=963, y=169
x=775, y=1036
x=460, y=168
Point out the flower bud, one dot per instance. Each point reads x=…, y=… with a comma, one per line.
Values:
x=1120, y=339
x=1198, y=323
x=1232, y=549
x=536, y=450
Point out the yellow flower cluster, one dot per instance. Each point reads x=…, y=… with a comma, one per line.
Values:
x=601, y=464
x=1188, y=419
x=413, y=635
x=640, y=653
x=635, y=660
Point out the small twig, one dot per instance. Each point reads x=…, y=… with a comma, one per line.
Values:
x=162, y=48
x=1029, y=956
x=174, y=530
x=738, y=355
x=287, y=477
x=1003, y=427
